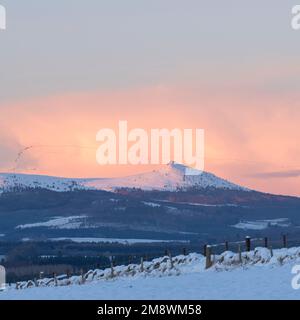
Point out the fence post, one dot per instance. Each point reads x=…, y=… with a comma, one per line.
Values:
x=68, y=277
x=112, y=269
x=271, y=251
x=204, y=250
x=208, y=263
x=226, y=246
x=266, y=242
x=171, y=260
x=55, y=279
x=240, y=254
x=284, y=239
x=248, y=243
x=142, y=264
x=82, y=276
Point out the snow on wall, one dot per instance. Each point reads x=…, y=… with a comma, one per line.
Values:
x=175, y=266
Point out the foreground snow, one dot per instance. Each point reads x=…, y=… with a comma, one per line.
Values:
x=260, y=276
x=264, y=283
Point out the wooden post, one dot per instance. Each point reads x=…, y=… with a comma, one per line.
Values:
x=112, y=269
x=248, y=243
x=271, y=251
x=184, y=251
x=204, y=250
x=208, y=263
x=226, y=246
x=142, y=264
x=266, y=242
x=284, y=240
x=68, y=277
x=82, y=276
x=240, y=254
x=171, y=260
x=55, y=279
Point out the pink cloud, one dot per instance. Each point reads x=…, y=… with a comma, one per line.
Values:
x=245, y=133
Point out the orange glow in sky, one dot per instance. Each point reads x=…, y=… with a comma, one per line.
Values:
x=249, y=139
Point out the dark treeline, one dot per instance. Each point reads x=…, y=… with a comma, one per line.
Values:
x=26, y=260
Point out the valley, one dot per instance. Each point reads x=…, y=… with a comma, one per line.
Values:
x=59, y=218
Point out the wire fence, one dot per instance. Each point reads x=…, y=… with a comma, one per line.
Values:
x=246, y=245
x=214, y=248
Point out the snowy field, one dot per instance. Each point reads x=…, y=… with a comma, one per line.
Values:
x=73, y=222
x=113, y=240
x=264, y=283
x=260, y=276
x=263, y=224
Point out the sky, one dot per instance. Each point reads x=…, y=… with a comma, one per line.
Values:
x=69, y=68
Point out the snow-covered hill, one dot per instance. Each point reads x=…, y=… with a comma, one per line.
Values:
x=259, y=274
x=170, y=177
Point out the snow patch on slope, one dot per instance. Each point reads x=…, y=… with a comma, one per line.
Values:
x=171, y=177
x=11, y=181
x=73, y=222
x=263, y=224
x=113, y=240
